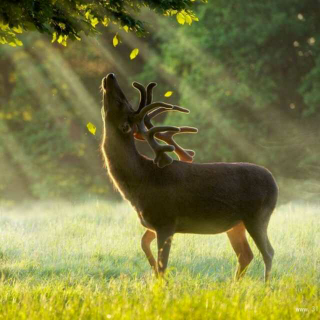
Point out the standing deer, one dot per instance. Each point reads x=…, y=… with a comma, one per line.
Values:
x=179, y=196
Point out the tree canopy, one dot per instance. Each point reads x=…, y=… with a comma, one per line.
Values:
x=66, y=19
x=250, y=73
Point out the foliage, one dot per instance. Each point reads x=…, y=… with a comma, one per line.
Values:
x=64, y=19
x=89, y=265
x=249, y=72
x=46, y=150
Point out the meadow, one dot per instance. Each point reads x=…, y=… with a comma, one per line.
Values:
x=61, y=260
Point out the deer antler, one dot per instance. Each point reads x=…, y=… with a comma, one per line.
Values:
x=161, y=134
x=143, y=95
x=161, y=159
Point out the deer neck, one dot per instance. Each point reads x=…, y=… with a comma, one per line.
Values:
x=123, y=162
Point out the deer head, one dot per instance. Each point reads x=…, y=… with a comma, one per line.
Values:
x=116, y=109
x=118, y=113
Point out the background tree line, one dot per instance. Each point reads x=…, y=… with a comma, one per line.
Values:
x=249, y=72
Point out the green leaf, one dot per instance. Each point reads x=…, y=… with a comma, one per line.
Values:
x=88, y=15
x=62, y=25
x=94, y=22
x=105, y=21
x=63, y=40
x=18, y=42
x=134, y=53
x=54, y=37
x=188, y=19
x=181, y=18
x=91, y=128
x=170, y=12
x=115, y=40
x=17, y=29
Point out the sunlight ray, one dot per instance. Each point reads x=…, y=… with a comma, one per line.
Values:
x=39, y=84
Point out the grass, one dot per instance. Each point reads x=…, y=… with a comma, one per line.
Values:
x=83, y=261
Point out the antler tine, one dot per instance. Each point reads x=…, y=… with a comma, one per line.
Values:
x=161, y=159
x=150, y=87
x=146, y=131
x=188, y=130
x=149, y=107
x=170, y=129
x=143, y=95
x=154, y=113
x=184, y=155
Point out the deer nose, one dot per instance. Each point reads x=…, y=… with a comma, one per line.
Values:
x=109, y=81
x=111, y=76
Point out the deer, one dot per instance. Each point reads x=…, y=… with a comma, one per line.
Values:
x=180, y=196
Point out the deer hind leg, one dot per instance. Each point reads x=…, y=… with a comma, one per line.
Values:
x=258, y=232
x=164, y=239
x=146, y=240
x=240, y=245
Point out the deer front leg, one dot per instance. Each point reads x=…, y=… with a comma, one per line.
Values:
x=146, y=240
x=164, y=239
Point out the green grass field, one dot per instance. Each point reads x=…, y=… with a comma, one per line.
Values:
x=83, y=261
